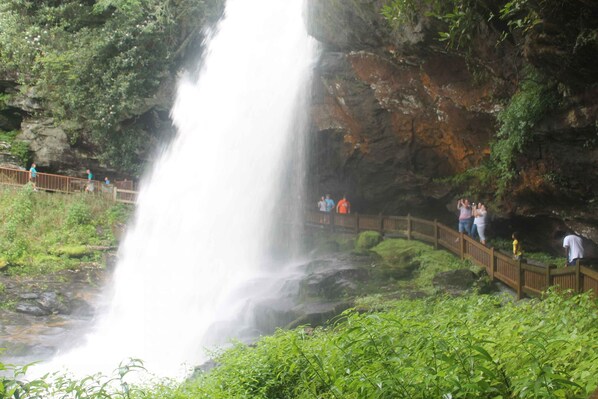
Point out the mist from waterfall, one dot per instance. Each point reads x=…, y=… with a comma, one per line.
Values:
x=206, y=210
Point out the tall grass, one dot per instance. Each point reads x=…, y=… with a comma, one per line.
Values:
x=44, y=232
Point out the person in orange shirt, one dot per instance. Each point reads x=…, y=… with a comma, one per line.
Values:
x=343, y=206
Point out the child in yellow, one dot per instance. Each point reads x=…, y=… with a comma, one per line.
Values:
x=517, y=251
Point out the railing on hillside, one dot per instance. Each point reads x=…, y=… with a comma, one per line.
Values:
x=119, y=192
x=524, y=278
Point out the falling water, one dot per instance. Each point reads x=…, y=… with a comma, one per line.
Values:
x=205, y=211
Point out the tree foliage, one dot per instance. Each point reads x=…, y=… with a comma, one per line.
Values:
x=94, y=64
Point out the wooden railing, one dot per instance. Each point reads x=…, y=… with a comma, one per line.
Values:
x=69, y=185
x=524, y=278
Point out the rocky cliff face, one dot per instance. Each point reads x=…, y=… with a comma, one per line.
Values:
x=393, y=112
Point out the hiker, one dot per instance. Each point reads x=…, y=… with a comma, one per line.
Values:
x=106, y=180
x=322, y=208
x=33, y=176
x=89, y=187
x=479, y=223
x=322, y=204
x=343, y=206
x=329, y=203
x=465, y=222
x=517, y=251
x=573, y=249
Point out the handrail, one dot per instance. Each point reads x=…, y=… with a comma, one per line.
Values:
x=66, y=184
x=524, y=278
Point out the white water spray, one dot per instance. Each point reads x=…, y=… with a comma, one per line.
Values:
x=204, y=213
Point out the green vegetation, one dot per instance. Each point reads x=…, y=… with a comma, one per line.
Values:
x=94, y=64
x=17, y=148
x=45, y=232
x=421, y=262
x=468, y=347
x=536, y=97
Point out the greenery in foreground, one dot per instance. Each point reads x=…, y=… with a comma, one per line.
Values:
x=469, y=347
x=43, y=232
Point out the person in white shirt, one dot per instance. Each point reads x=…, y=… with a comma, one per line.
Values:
x=573, y=248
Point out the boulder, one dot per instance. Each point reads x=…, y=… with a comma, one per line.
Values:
x=454, y=282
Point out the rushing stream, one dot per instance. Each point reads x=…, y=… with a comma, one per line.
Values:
x=204, y=218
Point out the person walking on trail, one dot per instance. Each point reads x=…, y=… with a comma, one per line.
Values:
x=329, y=203
x=465, y=222
x=89, y=187
x=517, y=251
x=343, y=206
x=573, y=249
x=33, y=176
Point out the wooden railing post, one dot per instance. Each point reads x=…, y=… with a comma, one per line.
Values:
x=578, y=277
x=462, y=245
x=519, y=280
x=331, y=220
x=115, y=194
x=381, y=224
x=492, y=264
x=409, y=226
x=435, y=234
x=356, y=222
x=548, y=275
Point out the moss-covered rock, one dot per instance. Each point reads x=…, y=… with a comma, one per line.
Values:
x=368, y=240
x=72, y=251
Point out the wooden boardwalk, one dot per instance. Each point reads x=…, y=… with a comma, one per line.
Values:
x=119, y=192
x=524, y=278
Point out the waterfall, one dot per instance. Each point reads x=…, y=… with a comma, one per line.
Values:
x=205, y=211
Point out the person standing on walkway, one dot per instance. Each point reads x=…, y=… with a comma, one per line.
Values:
x=322, y=208
x=573, y=249
x=465, y=215
x=33, y=176
x=479, y=223
x=329, y=203
x=343, y=206
x=89, y=187
x=517, y=251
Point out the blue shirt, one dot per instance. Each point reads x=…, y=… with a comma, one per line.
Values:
x=329, y=204
x=33, y=172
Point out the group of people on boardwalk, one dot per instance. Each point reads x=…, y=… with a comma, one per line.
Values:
x=327, y=204
x=473, y=222
x=89, y=186
x=472, y=219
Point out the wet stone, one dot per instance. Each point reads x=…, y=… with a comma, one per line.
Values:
x=33, y=309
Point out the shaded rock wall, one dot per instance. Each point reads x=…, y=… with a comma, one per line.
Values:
x=393, y=112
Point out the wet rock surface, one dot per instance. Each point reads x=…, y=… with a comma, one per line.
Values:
x=43, y=314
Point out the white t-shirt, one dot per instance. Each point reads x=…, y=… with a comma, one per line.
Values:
x=575, y=246
x=481, y=218
x=322, y=205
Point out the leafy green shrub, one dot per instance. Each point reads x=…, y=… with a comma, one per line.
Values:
x=94, y=63
x=19, y=149
x=368, y=240
x=78, y=214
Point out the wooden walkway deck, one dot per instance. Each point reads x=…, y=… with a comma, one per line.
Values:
x=119, y=192
x=524, y=278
